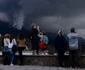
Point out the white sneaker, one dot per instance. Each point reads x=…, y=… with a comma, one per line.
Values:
x=46, y=54
x=75, y=68
x=42, y=53
x=61, y=68
x=70, y=68
x=35, y=54
x=55, y=53
x=11, y=64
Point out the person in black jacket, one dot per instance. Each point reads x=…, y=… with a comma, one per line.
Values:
x=60, y=44
x=35, y=39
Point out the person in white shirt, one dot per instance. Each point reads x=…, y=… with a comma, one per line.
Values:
x=9, y=42
x=6, y=42
x=73, y=46
x=11, y=45
x=5, y=49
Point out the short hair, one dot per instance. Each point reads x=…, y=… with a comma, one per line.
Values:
x=72, y=29
x=32, y=25
x=60, y=31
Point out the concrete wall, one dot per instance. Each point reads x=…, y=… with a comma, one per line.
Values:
x=46, y=61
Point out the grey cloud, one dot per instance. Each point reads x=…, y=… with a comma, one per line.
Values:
x=51, y=15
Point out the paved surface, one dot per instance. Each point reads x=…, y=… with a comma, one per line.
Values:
x=2, y=67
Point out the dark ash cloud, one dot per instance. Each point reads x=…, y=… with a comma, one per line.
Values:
x=51, y=15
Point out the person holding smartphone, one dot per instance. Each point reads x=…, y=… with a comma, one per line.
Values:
x=73, y=47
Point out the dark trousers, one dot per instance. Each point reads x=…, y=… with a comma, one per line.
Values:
x=6, y=58
x=20, y=49
x=73, y=58
x=37, y=50
x=60, y=58
x=6, y=55
x=35, y=47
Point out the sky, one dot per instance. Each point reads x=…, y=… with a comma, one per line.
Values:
x=50, y=15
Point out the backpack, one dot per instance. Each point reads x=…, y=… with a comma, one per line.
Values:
x=45, y=39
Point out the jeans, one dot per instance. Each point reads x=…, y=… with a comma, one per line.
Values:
x=5, y=49
x=12, y=54
x=8, y=50
x=73, y=57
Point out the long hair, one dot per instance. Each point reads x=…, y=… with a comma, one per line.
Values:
x=11, y=38
x=21, y=36
x=7, y=36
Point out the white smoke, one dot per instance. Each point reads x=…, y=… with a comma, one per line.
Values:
x=18, y=19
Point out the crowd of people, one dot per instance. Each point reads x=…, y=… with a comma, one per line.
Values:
x=40, y=41
x=38, y=38
x=62, y=46
x=11, y=44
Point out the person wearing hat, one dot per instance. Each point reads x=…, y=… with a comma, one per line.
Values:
x=61, y=47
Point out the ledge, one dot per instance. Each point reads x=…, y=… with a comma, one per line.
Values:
x=43, y=60
x=29, y=53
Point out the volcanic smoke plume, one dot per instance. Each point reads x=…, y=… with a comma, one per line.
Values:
x=18, y=20
x=50, y=15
